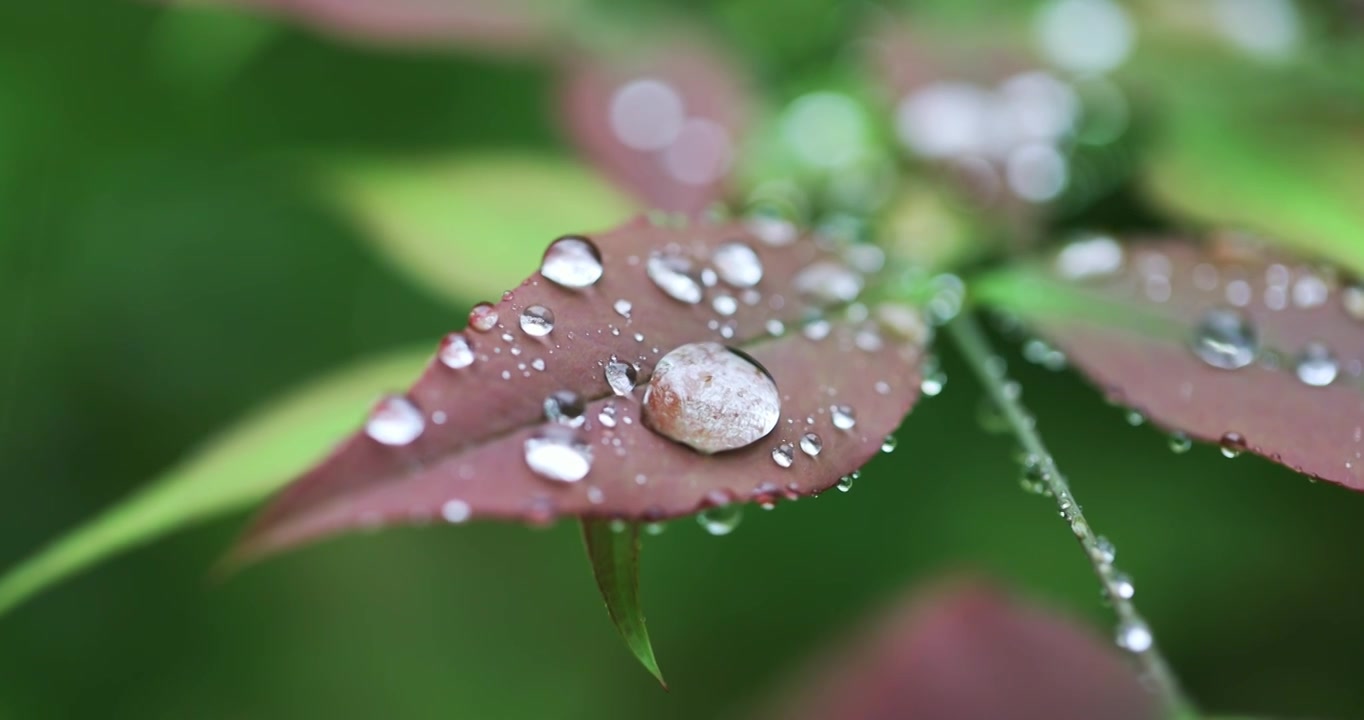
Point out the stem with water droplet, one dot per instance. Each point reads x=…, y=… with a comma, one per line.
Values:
x=978, y=353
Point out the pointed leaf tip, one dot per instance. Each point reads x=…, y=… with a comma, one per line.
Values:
x=613, y=549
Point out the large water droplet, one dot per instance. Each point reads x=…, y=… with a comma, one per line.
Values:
x=565, y=407
x=711, y=398
x=843, y=416
x=621, y=377
x=784, y=455
x=737, y=264
x=1225, y=339
x=573, y=262
x=537, y=321
x=721, y=520
x=828, y=282
x=483, y=317
x=1317, y=366
x=810, y=444
x=557, y=453
x=395, y=421
x=675, y=275
x=455, y=351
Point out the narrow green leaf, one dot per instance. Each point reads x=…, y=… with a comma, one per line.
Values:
x=241, y=467
x=469, y=227
x=614, y=553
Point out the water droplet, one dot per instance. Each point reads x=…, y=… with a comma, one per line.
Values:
x=1233, y=444
x=573, y=262
x=621, y=377
x=868, y=340
x=1134, y=637
x=1352, y=299
x=816, y=330
x=1091, y=257
x=843, y=416
x=845, y=483
x=455, y=351
x=1134, y=418
x=455, y=511
x=607, y=415
x=1039, y=352
x=557, y=453
x=538, y=364
x=784, y=455
x=775, y=327
x=483, y=317
x=933, y=382
x=1105, y=549
x=655, y=528
x=1122, y=586
x=724, y=304
x=674, y=275
x=1310, y=291
x=828, y=282
x=565, y=407
x=810, y=444
x=395, y=421
x=738, y=264
x=623, y=308
x=1317, y=366
x=1225, y=339
x=1180, y=443
x=889, y=444
x=711, y=398
x=1034, y=478
x=721, y=520
x=537, y=321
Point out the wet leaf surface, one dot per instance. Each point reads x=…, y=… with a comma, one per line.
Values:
x=664, y=124
x=614, y=554
x=1223, y=342
x=474, y=428
x=968, y=651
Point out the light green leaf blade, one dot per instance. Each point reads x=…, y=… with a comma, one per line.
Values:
x=614, y=553
x=239, y=468
x=470, y=226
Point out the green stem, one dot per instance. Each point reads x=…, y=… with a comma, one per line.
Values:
x=985, y=363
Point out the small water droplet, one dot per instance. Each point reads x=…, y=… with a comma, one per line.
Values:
x=810, y=444
x=483, y=317
x=816, y=330
x=843, y=416
x=607, y=415
x=623, y=308
x=1038, y=352
x=738, y=264
x=845, y=483
x=784, y=455
x=724, y=304
x=537, y=321
x=868, y=340
x=1122, y=586
x=1225, y=339
x=721, y=520
x=1105, y=549
x=573, y=262
x=557, y=453
x=639, y=337
x=1134, y=637
x=654, y=528
x=1352, y=299
x=675, y=275
x=933, y=382
x=455, y=351
x=775, y=327
x=395, y=421
x=1316, y=365
x=565, y=407
x=708, y=277
x=1233, y=444
x=1134, y=418
x=621, y=377
x=828, y=282
x=711, y=398
x=889, y=444
x=1034, y=478
x=538, y=364
x=1089, y=257
x=455, y=511
x=1180, y=443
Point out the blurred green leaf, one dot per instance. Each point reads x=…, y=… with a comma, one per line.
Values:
x=240, y=468
x=614, y=552
x=472, y=226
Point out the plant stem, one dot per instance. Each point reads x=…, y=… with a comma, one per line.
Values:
x=988, y=367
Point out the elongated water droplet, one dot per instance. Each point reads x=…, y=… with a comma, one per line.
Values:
x=395, y=421
x=843, y=416
x=1317, y=366
x=607, y=415
x=455, y=351
x=557, y=453
x=724, y=305
x=537, y=321
x=621, y=377
x=828, y=282
x=810, y=444
x=1180, y=443
x=565, y=407
x=1225, y=339
x=1094, y=256
x=711, y=398
x=573, y=262
x=483, y=317
x=784, y=455
x=721, y=520
x=737, y=264
x=675, y=275
x=1134, y=637
x=1233, y=444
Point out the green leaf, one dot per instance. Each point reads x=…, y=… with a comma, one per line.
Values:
x=469, y=227
x=241, y=467
x=614, y=552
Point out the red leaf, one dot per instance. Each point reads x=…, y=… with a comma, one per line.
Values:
x=1134, y=331
x=663, y=124
x=969, y=651
x=469, y=461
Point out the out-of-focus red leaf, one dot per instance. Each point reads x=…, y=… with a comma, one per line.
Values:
x=469, y=461
x=486, y=24
x=967, y=651
x=1296, y=397
x=663, y=123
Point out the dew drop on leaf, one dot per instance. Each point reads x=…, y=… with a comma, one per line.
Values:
x=816, y=330
x=810, y=444
x=711, y=398
x=483, y=317
x=675, y=276
x=1316, y=366
x=784, y=455
x=1122, y=586
x=1233, y=444
x=889, y=444
x=623, y=307
x=843, y=416
x=1352, y=299
x=1090, y=257
x=1106, y=551
x=607, y=416
x=565, y=407
x=828, y=282
x=721, y=520
x=557, y=453
x=621, y=377
x=572, y=262
x=724, y=305
x=737, y=264
x=395, y=421
x=845, y=483
x=1225, y=339
x=1180, y=443
x=775, y=327
x=1134, y=637
x=537, y=321
x=455, y=511
x=455, y=351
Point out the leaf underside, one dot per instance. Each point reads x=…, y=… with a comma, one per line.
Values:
x=1125, y=334
x=614, y=554
x=491, y=408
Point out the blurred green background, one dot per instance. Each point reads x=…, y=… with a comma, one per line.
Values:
x=163, y=270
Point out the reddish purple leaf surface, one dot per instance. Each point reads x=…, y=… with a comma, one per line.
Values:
x=470, y=459
x=663, y=124
x=969, y=651
x=1134, y=331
